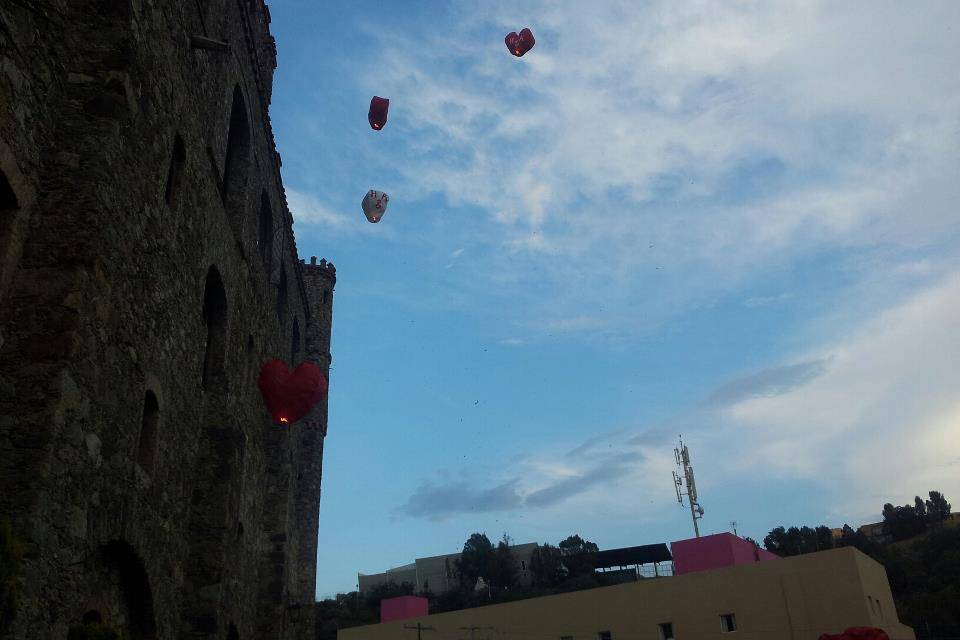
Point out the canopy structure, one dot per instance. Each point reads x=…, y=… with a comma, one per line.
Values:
x=630, y=556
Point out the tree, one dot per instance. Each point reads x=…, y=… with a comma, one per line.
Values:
x=920, y=508
x=503, y=570
x=579, y=555
x=902, y=522
x=824, y=538
x=752, y=541
x=794, y=541
x=386, y=590
x=546, y=565
x=776, y=541
x=475, y=560
x=938, y=509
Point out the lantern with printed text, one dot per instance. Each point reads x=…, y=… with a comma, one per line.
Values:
x=290, y=395
x=519, y=44
x=375, y=205
x=377, y=116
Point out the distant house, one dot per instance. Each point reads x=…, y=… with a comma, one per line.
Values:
x=438, y=573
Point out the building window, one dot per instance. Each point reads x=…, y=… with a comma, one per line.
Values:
x=604, y=635
x=215, y=317
x=666, y=631
x=728, y=623
x=236, y=166
x=175, y=173
x=282, y=297
x=523, y=565
x=265, y=232
x=879, y=608
x=295, y=343
x=148, y=431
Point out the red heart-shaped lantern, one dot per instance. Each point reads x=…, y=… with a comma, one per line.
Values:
x=290, y=395
x=519, y=44
x=377, y=116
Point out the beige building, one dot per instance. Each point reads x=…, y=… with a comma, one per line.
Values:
x=437, y=573
x=795, y=598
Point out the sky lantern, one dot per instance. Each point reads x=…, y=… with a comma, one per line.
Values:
x=375, y=205
x=290, y=395
x=377, y=116
x=520, y=44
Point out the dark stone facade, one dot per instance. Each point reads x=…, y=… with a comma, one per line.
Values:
x=147, y=269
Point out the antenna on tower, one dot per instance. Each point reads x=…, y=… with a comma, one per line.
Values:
x=682, y=457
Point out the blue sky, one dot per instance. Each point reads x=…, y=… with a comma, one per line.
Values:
x=735, y=221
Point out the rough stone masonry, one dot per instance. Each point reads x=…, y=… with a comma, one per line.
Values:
x=147, y=268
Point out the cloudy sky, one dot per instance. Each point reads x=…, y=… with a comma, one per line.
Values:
x=735, y=221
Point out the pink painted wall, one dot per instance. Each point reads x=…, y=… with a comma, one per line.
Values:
x=402, y=608
x=713, y=552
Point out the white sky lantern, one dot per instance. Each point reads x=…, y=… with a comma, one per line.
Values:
x=375, y=205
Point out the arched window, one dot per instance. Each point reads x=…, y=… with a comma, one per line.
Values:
x=236, y=167
x=282, y=296
x=147, y=450
x=215, y=317
x=265, y=232
x=295, y=343
x=8, y=214
x=178, y=161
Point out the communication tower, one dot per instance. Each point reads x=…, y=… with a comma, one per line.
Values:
x=685, y=484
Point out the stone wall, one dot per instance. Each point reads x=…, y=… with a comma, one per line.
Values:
x=147, y=269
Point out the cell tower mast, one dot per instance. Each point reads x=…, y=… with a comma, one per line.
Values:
x=682, y=456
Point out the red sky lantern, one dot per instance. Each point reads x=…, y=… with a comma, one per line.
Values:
x=290, y=396
x=377, y=116
x=520, y=44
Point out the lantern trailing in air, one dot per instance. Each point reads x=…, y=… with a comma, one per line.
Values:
x=377, y=116
x=290, y=395
x=520, y=44
x=375, y=205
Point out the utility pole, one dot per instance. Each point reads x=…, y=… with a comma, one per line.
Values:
x=682, y=456
x=733, y=523
x=420, y=629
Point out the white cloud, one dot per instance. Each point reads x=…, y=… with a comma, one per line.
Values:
x=883, y=419
x=732, y=136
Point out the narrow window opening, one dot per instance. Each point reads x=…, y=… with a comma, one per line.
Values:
x=265, y=232
x=148, y=431
x=326, y=294
x=666, y=631
x=178, y=161
x=215, y=317
x=8, y=205
x=523, y=565
x=728, y=623
x=604, y=635
x=295, y=343
x=282, y=296
x=237, y=162
x=233, y=634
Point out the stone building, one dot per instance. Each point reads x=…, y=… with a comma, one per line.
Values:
x=147, y=269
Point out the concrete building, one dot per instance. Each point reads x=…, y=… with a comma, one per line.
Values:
x=795, y=598
x=438, y=573
x=147, y=269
